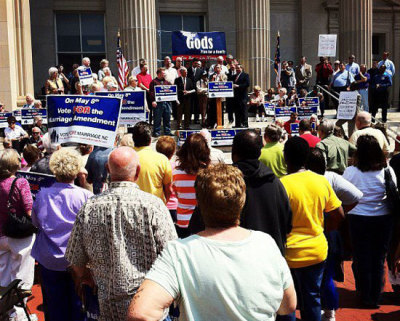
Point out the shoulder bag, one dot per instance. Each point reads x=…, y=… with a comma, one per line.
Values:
x=392, y=193
x=18, y=225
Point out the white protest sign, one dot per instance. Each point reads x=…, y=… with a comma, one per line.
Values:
x=327, y=45
x=347, y=105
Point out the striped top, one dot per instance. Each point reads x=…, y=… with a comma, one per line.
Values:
x=183, y=184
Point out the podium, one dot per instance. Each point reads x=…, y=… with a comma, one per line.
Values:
x=219, y=113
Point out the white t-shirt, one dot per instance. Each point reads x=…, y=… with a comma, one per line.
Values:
x=216, y=156
x=372, y=185
x=344, y=190
x=217, y=280
x=224, y=69
x=136, y=71
x=380, y=137
x=14, y=134
x=171, y=74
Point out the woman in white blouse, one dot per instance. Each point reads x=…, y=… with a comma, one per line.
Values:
x=370, y=220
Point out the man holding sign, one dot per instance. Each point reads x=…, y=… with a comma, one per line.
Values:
x=162, y=108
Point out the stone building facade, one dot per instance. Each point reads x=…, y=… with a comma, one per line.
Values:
x=35, y=35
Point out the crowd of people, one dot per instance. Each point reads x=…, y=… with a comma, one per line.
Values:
x=195, y=107
x=142, y=232
x=157, y=233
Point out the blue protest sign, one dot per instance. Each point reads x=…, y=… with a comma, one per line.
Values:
x=85, y=75
x=17, y=114
x=201, y=45
x=220, y=89
x=219, y=137
x=3, y=119
x=284, y=112
x=165, y=93
x=269, y=109
x=37, y=181
x=294, y=129
x=307, y=107
x=27, y=115
x=89, y=120
x=133, y=107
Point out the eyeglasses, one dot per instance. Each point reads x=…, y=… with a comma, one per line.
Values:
x=35, y=133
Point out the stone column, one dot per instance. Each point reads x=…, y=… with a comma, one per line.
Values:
x=139, y=32
x=16, y=69
x=355, y=30
x=253, y=40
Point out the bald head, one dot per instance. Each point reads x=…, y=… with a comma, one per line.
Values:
x=363, y=119
x=123, y=164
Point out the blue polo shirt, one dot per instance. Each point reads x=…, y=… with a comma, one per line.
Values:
x=354, y=68
x=342, y=79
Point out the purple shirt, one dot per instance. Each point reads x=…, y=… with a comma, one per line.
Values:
x=363, y=85
x=54, y=212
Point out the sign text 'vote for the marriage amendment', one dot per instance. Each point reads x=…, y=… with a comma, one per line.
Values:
x=83, y=119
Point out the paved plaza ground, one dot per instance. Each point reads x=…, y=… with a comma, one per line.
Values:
x=349, y=311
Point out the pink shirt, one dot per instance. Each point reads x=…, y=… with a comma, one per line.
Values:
x=173, y=200
x=21, y=198
x=144, y=79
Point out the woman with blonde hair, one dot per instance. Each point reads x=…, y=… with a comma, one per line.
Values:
x=103, y=64
x=54, y=85
x=107, y=80
x=127, y=140
x=257, y=103
x=54, y=213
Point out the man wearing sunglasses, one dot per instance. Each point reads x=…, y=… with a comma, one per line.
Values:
x=36, y=138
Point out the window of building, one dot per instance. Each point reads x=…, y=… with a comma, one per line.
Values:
x=174, y=22
x=80, y=35
x=378, y=45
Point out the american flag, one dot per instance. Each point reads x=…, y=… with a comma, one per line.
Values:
x=123, y=69
x=277, y=63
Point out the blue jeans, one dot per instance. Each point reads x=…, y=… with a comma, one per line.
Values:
x=162, y=111
x=307, y=282
x=59, y=296
x=329, y=294
x=370, y=236
x=364, y=98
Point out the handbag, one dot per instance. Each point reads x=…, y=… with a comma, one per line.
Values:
x=392, y=193
x=18, y=225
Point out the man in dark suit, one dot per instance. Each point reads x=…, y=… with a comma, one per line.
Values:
x=194, y=73
x=230, y=102
x=186, y=89
x=241, y=84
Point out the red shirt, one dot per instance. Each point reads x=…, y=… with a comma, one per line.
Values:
x=144, y=79
x=286, y=125
x=323, y=71
x=311, y=139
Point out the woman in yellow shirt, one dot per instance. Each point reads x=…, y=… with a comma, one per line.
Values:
x=310, y=195
x=54, y=85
